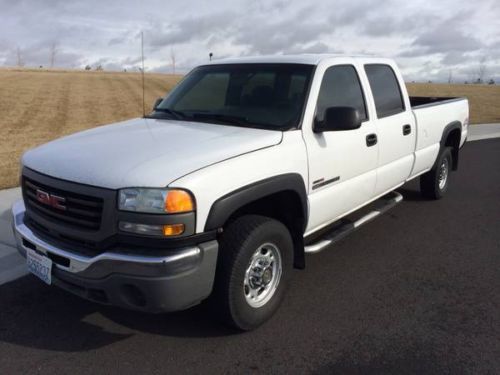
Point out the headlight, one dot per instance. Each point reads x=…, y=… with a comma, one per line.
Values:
x=157, y=201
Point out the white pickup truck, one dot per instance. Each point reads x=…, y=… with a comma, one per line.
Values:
x=243, y=168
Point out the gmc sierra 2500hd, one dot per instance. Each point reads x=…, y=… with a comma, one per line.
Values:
x=243, y=168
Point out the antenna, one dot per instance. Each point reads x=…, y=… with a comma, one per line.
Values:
x=142, y=58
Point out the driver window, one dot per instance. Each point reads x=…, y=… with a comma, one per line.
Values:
x=341, y=88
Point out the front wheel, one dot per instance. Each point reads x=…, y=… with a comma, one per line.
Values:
x=253, y=271
x=434, y=184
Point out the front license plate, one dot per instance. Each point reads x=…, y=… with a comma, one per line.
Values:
x=40, y=266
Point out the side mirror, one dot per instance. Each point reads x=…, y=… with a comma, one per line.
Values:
x=338, y=118
x=157, y=102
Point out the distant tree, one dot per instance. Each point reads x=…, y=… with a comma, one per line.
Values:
x=19, y=56
x=53, y=53
x=41, y=66
x=491, y=81
x=99, y=68
x=466, y=82
x=429, y=81
x=88, y=67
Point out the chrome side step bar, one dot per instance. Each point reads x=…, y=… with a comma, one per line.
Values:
x=381, y=205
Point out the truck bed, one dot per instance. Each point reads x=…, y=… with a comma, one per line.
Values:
x=427, y=101
x=433, y=115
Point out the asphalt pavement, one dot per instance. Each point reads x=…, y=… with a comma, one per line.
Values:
x=414, y=291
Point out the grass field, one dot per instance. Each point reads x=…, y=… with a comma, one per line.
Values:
x=39, y=105
x=484, y=100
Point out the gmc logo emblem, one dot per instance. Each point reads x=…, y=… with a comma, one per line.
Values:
x=50, y=199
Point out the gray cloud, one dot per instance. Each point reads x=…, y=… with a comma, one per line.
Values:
x=317, y=47
x=286, y=34
x=453, y=58
x=455, y=44
x=427, y=39
x=386, y=25
x=117, y=40
x=187, y=29
x=447, y=37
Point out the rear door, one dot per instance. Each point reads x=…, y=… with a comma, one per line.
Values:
x=342, y=164
x=396, y=131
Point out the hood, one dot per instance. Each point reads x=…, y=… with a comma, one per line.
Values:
x=144, y=152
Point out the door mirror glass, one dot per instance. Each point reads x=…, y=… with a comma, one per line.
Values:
x=338, y=118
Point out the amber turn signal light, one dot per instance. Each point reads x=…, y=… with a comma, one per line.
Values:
x=173, y=229
x=178, y=201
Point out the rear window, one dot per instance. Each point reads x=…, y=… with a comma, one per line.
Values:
x=385, y=89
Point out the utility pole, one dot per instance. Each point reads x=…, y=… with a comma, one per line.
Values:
x=142, y=58
x=19, y=53
x=53, y=53
x=172, y=58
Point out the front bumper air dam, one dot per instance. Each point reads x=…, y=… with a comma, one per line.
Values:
x=172, y=282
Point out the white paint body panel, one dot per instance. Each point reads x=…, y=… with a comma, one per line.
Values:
x=341, y=154
x=144, y=152
x=431, y=121
x=209, y=184
x=213, y=160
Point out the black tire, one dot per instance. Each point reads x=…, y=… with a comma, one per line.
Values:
x=240, y=241
x=430, y=182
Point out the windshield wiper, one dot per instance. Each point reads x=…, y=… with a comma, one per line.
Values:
x=228, y=119
x=177, y=114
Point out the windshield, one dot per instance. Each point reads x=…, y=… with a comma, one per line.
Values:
x=268, y=96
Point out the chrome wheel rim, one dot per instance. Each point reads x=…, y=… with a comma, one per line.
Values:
x=443, y=174
x=262, y=275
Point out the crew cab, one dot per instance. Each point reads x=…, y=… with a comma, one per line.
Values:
x=243, y=168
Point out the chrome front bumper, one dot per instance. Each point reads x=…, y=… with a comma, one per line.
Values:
x=185, y=274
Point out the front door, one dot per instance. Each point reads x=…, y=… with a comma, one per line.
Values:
x=342, y=164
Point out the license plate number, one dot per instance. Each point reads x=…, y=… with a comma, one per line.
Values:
x=40, y=266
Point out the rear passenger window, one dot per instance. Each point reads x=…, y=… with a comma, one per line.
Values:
x=340, y=88
x=385, y=89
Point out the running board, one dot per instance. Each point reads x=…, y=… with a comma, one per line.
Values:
x=381, y=205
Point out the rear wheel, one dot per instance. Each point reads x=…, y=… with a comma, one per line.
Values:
x=434, y=183
x=253, y=271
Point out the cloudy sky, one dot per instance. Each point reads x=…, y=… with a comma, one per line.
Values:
x=429, y=39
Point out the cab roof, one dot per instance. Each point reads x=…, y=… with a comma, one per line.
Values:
x=309, y=59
